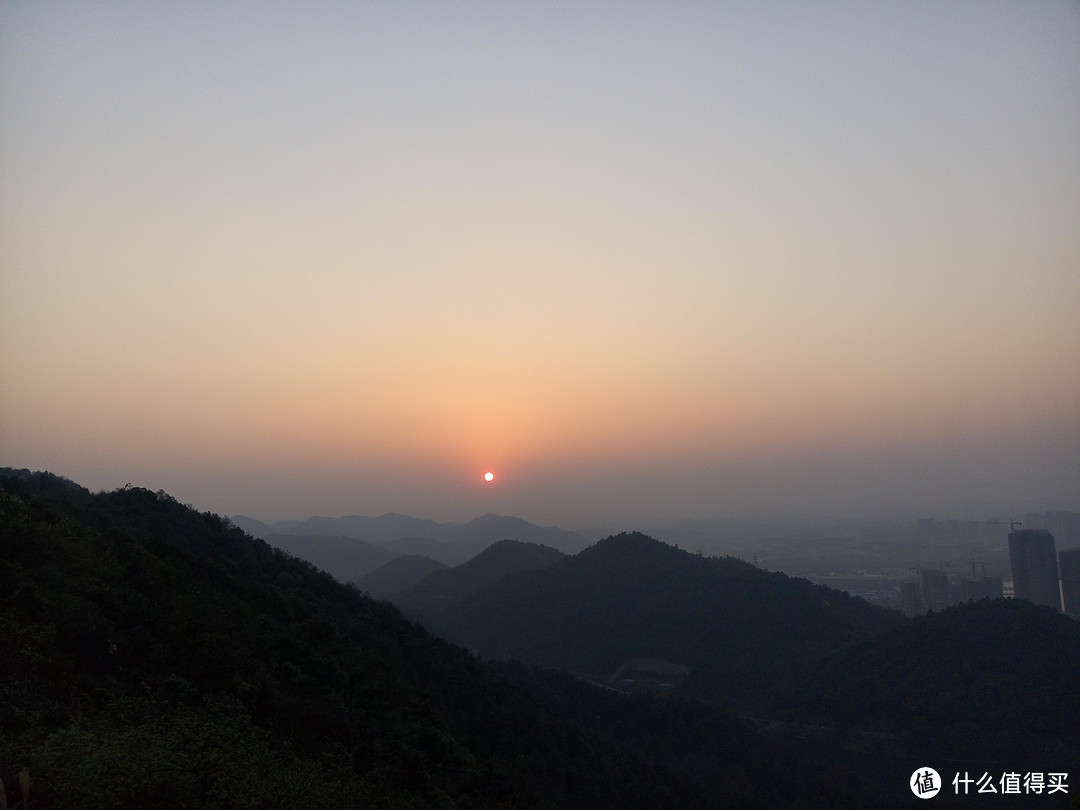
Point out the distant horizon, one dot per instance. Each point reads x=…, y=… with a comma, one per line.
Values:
x=613, y=525
x=700, y=522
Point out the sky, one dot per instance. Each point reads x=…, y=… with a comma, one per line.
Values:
x=638, y=260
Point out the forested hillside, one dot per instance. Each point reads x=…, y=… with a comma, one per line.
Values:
x=400, y=574
x=996, y=677
x=738, y=628
x=156, y=656
x=346, y=558
x=442, y=589
x=993, y=681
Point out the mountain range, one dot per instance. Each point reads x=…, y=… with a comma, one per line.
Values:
x=442, y=589
x=738, y=628
x=400, y=574
x=989, y=678
x=353, y=546
x=156, y=656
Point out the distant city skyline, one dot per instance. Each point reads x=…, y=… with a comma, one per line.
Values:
x=640, y=262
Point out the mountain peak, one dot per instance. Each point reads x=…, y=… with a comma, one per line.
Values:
x=517, y=551
x=633, y=544
x=632, y=540
x=441, y=589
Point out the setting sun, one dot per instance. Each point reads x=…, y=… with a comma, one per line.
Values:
x=806, y=320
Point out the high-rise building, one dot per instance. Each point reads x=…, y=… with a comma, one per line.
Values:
x=911, y=598
x=1070, y=581
x=935, y=588
x=1034, y=566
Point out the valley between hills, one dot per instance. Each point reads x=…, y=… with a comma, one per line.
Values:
x=163, y=657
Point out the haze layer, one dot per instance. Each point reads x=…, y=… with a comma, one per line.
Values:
x=637, y=261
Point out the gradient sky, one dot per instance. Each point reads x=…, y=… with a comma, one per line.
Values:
x=640, y=260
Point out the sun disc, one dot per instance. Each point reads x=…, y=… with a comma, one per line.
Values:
x=488, y=476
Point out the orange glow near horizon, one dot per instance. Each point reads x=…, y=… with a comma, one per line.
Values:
x=657, y=272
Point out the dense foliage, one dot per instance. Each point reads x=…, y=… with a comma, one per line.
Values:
x=740, y=629
x=345, y=558
x=987, y=682
x=993, y=676
x=441, y=589
x=156, y=656
x=400, y=574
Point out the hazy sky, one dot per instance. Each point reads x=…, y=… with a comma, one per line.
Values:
x=637, y=259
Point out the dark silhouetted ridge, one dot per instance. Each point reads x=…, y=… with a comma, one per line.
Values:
x=156, y=656
x=441, y=589
x=449, y=543
x=399, y=574
x=631, y=597
x=990, y=671
x=346, y=558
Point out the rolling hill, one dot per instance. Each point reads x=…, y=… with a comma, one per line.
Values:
x=397, y=575
x=346, y=558
x=156, y=656
x=738, y=628
x=997, y=674
x=990, y=680
x=449, y=543
x=445, y=588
